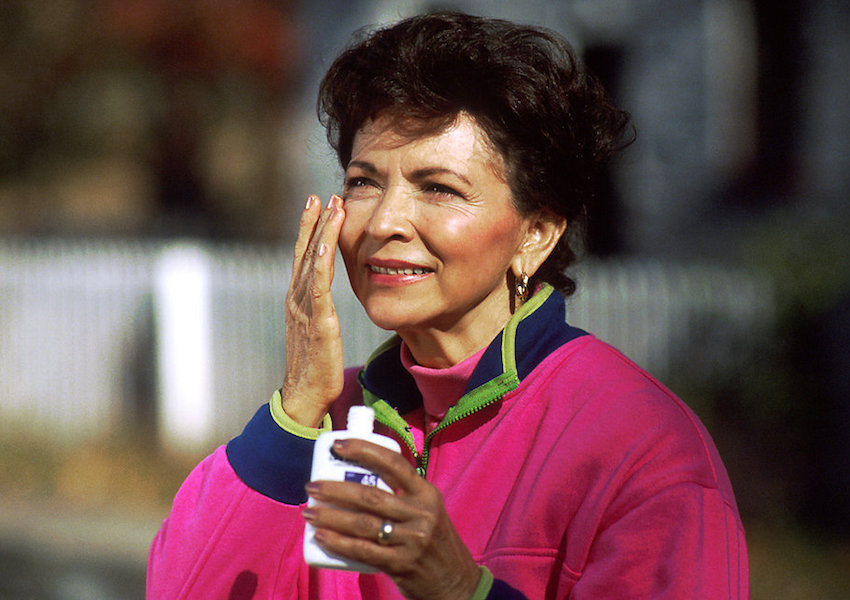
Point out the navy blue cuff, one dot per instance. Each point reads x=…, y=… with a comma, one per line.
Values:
x=502, y=591
x=270, y=460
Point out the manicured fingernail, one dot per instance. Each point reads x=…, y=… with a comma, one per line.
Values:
x=309, y=514
x=310, y=200
x=313, y=489
x=320, y=536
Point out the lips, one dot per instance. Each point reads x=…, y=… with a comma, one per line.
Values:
x=395, y=268
x=386, y=266
x=397, y=271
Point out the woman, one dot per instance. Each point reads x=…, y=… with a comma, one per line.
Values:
x=537, y=461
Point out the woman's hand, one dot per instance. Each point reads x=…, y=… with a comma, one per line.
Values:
x=424, y=555
x=314, y=360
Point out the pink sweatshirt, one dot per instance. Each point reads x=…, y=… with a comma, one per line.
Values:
x=567, y=470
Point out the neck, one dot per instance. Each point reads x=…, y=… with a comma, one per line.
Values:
x=440, y=349
x=450, y=338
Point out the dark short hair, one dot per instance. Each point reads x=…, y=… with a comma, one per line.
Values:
x=548, y=118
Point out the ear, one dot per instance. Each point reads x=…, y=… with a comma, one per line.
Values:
x=544, y=230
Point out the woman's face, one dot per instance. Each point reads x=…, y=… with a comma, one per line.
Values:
x=430, y=231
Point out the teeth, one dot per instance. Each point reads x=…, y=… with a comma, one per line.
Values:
x=388, y=271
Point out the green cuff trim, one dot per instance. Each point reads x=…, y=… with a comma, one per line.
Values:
x=484, y=584
x=292, y=426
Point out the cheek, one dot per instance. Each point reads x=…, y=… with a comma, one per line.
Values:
x=350, y=233
x=478, y=239
x=348, y=251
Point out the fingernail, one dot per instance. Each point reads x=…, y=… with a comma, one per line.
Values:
x=310, y=200
x=309, y=514
x=322, y=249
x=340, y=445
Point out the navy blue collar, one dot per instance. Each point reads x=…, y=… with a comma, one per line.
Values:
x=532, y=334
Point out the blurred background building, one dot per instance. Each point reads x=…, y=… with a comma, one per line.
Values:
x=154, y=159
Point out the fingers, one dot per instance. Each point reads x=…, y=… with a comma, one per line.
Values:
x=423, y=553
x=313, y=258
x=309, y=219
x=325, y=241
x=313, y=230
x=383, y=557
x=392, y=467
x=359, y=510
x=360, y=525
x=354, y=532
x=364, y=499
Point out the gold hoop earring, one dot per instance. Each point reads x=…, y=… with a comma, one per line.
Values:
x=522, y=287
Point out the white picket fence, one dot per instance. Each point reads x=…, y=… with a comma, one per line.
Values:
x=96, y=335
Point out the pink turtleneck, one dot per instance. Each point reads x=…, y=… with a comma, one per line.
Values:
x=440, y=388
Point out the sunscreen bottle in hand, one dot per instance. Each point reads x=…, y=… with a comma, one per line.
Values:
x=327, y=467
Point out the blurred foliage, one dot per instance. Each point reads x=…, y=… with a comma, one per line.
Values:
x=788, y=563
x=136, y=116
x=782, y=414
x=808, y=256
x=779, y=413
x=99, y=474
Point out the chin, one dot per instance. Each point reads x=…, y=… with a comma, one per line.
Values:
x=393, y=311
x=390, y=316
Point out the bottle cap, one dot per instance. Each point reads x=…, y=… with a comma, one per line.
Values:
x=361, y=419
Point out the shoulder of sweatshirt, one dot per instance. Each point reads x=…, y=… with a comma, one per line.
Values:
x=624, y=414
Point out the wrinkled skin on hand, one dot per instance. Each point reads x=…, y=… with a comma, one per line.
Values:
x=314, y=359
x=424, y=556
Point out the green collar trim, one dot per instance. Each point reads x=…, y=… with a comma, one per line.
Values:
x=384, y=376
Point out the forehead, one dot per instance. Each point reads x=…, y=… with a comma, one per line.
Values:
x=460, y=138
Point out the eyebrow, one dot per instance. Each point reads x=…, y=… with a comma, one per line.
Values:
x=417, y=175
x=365, y=166
x=427, y=172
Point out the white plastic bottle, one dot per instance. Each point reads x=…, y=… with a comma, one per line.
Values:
x=328, y=467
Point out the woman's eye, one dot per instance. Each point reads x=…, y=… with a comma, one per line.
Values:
x=438, y=188
x=355, y=185
x=356, y=182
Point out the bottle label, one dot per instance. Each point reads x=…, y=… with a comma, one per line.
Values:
x=362, y=478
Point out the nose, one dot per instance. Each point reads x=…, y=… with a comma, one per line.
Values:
x=392, y=215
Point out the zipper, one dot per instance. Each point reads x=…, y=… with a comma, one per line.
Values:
x=422, y=469
x=469, y=404
x=387, y=416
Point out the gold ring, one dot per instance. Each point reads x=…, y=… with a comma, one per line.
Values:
x=385, y=532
